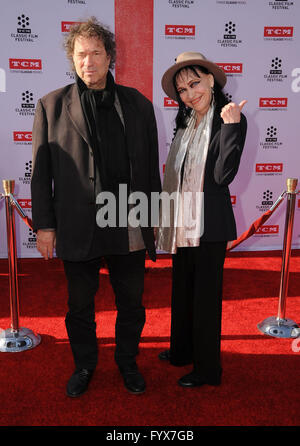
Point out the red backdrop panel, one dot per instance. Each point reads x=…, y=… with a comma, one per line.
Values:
x=134, y=38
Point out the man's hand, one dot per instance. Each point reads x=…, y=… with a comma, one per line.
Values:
x=231, y=113
x=45, y=243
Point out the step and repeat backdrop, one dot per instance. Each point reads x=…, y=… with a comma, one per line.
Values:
x=257, y=44
x=33, y=62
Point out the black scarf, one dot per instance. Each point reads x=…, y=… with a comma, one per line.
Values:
x=107, y=134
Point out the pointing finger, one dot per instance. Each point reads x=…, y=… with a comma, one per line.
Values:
x=241, y=104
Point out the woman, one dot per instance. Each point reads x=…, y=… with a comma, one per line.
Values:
x=203, y=160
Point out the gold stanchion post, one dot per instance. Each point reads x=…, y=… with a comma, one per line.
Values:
x=14, y=339
x=279, y=326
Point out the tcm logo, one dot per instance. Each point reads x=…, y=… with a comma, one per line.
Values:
x=168, y=102
x=268, y=229
x=25, y=203
x=25, y=64
x=65, y=26
x=267, y=168
x=233, y=199
x=180, y=30
x=23, y=136
x=231, y=67
x=273, y=102
x=278, y=31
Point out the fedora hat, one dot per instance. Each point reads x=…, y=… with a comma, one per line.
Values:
x=190, y=58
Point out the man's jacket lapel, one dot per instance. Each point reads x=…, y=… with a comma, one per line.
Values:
x=76, y=114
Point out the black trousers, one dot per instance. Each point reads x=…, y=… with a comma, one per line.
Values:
x=126, y=274
x=196, y=308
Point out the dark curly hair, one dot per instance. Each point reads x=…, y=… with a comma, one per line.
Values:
x=184, y=112
x=91, y=28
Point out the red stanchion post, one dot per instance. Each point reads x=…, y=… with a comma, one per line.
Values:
x=279, y=326
x=14, y=339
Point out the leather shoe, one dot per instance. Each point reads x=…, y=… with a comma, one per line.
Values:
x=78, y=383
x=193, y=379
x=165, y=355
x=133, y=379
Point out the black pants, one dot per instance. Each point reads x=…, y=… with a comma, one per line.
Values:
x=197, y=280
x=127, y=278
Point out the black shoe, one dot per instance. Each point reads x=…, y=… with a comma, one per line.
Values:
x=165, y=355
x=78, y=383
x=193, y=379
x=133, y=379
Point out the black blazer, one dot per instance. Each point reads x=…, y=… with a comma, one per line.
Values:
x=64, y=177
x=222, y=163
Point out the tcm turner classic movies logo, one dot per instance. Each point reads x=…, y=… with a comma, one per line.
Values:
x=278, y=32
x=25, y=203
x=170, y=103
x=66, y=26
x=180, y=31
x=269, y=169
x=23, y=138
x=273, y=103
x=232, y=69
x=25, y=65
x=267, y=231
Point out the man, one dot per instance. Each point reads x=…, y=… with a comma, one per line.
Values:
x=89, y=137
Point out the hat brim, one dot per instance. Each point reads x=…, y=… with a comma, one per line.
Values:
x=167, y=79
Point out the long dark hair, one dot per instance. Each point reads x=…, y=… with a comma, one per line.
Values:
x=184, y=112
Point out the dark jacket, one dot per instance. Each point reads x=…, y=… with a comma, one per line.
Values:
x=222, y=163
x=63, y=177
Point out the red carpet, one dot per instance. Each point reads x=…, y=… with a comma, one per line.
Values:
x=261, y=374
